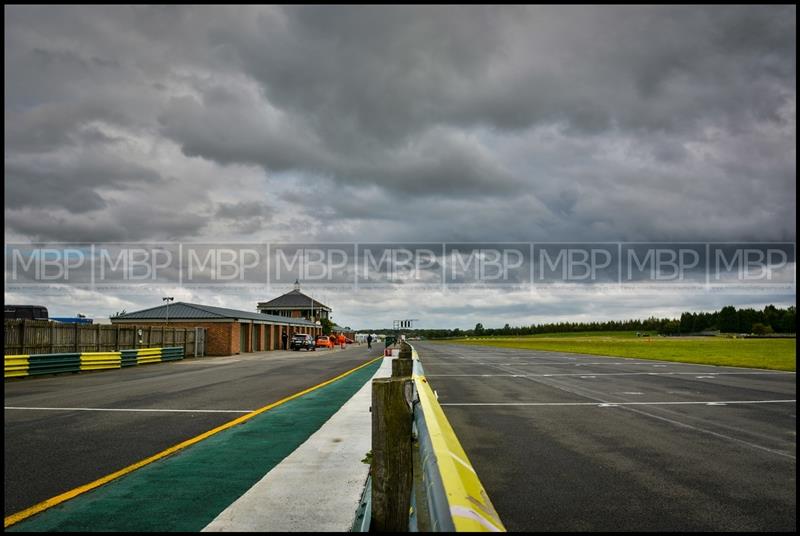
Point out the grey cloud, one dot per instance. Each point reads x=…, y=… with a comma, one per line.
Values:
x=385, y=72
x=130, y=223
x=72, y=182
x=482, y=123
x=246, y=216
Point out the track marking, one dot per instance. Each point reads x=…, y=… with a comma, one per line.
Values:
x=514, y=351
x=71, y=494
x=572, y=390
x=707, y=375
x=609, y=404
x=138, y=410
x=570, y=364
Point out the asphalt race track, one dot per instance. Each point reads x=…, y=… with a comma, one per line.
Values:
x=50, y=450
x=570, y=442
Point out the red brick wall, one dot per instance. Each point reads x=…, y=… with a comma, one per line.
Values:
x=219, y=340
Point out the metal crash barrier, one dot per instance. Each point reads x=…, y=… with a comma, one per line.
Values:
x=446, y=493
x=456, y=499
x=17, y=366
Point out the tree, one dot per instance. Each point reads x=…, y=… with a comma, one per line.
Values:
x=479, y=329
x=761, y=329
x=327, y=326
x=728, y=321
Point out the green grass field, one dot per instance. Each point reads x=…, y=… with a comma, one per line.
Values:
x=775, y=354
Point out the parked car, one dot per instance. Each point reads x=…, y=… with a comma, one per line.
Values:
x=323, y=341
x=302, y=340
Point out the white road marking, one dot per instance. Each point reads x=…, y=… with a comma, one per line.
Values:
x=551, y=355
x=137, y=410
x=674, y=422
x=551, y=364
x=712, y=375
x=610, y=404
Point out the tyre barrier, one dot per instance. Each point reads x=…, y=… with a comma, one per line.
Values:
x=18, y=366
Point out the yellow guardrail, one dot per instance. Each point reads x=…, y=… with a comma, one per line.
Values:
x=100, y=360
x=15, y=366
x=148, y=355
x=470, y=507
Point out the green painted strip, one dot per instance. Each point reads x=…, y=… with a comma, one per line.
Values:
x=54, y=362
x=186, y=491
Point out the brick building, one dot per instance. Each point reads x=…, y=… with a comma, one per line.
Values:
x=229, y=331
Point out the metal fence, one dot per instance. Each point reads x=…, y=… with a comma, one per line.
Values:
x=46, y=337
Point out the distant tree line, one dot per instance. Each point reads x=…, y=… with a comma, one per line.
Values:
x=727, y=320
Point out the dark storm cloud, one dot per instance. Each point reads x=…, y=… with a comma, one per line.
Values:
x=74, y=184
x=483, y=123
x=386, y=72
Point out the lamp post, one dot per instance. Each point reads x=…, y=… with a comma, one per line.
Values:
x=167, y=299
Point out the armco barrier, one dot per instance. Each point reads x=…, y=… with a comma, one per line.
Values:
x=99, y=360
x=456, y=499
x=39, y=364
x=17, y=366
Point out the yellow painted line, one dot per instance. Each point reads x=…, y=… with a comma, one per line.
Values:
x=58, y=499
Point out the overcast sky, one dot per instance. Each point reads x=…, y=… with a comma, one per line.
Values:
x=409, y=123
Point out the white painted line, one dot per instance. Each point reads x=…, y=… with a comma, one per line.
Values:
x=469, y=513
x=591, y=356
x=137, y=410
x=462, y=462
x=549, y=364
x=610, y=404
x=707, y=375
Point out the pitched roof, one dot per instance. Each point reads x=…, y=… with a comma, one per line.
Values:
x=193, y=311
x=294, y=298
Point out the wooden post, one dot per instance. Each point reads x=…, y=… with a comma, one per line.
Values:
x=402, y=368
x=391, y=467
x=22, y=336
x=149, y=338
x=403, y=365
x=52, y=337
x=77, y=337
x=116, y=340
x=99, y=336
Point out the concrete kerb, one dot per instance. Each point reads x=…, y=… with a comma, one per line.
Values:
x=331, y=459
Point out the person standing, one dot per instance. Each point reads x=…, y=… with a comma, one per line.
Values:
x=341, y=340
x=369, y=341
x=284, y=338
